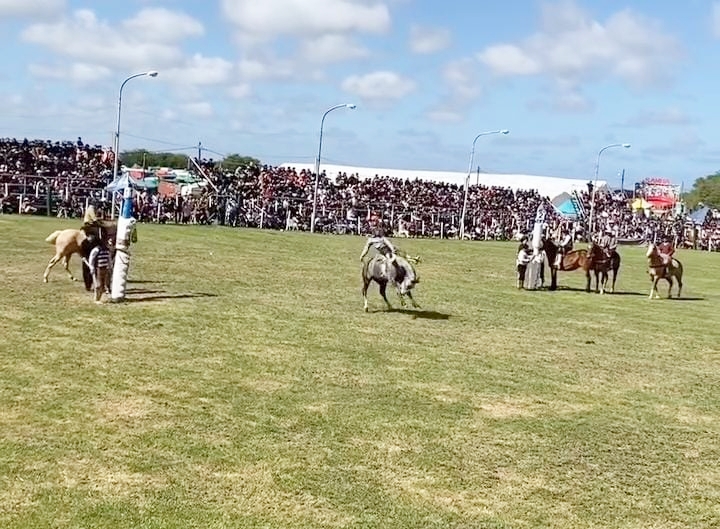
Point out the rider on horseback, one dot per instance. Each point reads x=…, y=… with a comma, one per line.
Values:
x=608, y=242
x=382, y=245
x=565, y=245
x=666, y=249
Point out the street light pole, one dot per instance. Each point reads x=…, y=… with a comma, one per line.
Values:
x=116, y=147
x=591, y=222
x=351, y=106
x=467, y=178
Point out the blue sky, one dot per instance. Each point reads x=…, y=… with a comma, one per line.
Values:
x=255, y=77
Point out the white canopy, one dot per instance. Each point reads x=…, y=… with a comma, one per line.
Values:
x=549, y=186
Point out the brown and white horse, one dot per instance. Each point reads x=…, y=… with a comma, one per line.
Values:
x=658, y=269
x=403, y=276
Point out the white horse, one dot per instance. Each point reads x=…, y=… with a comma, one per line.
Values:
x=402, y=275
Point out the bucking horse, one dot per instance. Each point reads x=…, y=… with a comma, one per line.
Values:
x=402, y=275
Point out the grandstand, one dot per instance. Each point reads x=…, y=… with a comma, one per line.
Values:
x=547, y=186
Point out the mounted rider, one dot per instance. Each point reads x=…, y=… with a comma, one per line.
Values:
x=565, y=245
x=381, y=243
x=608, y=242
x=666, y=249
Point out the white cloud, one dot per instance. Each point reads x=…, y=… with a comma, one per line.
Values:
x=169, y=115
x=240, y=91
x=200, y=109
x=200, y=70
x=379, y=86
x=571, y=46
x=332, y=48
x=461, y=76
x=84, y=37
x=444, y=115
x=716, y=19
x=78, y=72
x=162, y=25
x=462, y=88
x=31, y=8
x=686, y=145
x=267, y=19
x=508, y=59
x=425, y=40
x=263, y=69
x=671, y=116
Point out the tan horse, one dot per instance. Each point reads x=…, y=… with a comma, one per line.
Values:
x=67, y=242
x=70, y=241
x=659, y=270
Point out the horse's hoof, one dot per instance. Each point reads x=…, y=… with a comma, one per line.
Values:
x=366, y=309
x=45, y=279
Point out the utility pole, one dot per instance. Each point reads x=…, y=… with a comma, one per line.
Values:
x=199, y=152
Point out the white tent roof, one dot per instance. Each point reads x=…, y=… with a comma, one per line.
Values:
x=549, y=186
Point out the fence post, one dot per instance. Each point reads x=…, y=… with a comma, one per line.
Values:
x=442, y=230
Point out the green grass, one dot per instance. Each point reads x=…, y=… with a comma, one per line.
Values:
x=243, y=386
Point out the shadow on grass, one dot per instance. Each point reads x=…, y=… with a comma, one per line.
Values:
x=417, y=314
x=607, y=293
x=160, y=295
x=683, y=298
x=144, y=281
x=144, y=291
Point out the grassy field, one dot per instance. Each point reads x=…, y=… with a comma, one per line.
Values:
x=243, y=386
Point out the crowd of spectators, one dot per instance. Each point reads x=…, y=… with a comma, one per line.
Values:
x=76, y=174
x=70, y=170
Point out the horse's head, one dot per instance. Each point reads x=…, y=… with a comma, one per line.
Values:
x=652, y=250
x=594, y=249
x=410, y=278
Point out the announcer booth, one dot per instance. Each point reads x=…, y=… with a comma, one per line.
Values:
x=659, y=193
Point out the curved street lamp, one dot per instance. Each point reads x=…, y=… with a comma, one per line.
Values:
x=591, y=223
x=351, y=106
x=151, y=73
x=467, y=178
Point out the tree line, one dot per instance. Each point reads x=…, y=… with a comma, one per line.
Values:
x=173, y=160
x=705, y=190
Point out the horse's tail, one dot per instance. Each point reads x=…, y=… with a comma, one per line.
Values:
x=53, y=236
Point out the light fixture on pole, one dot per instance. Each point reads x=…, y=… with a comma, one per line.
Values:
x=116, y=147
x=591, y=222
x=351, y=106
x=467, y=178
